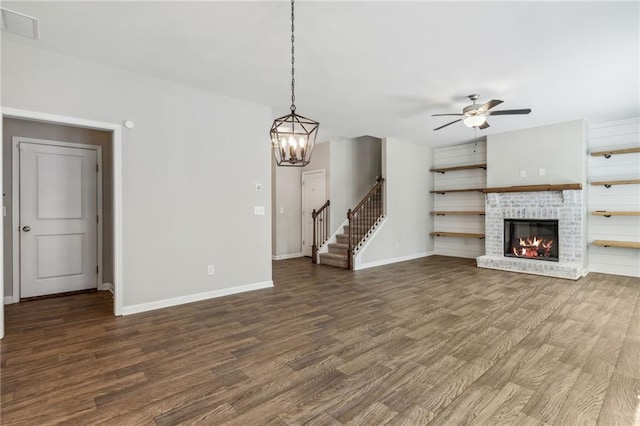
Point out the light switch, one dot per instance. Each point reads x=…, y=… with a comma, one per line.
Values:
x=258, y=210
x=281, y=210
x=523, y=173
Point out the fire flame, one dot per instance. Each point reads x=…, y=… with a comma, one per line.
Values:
x=533, y=247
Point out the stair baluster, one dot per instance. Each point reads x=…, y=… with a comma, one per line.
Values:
x=320, y=233
x=363, y=217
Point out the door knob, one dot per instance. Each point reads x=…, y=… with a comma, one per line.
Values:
x=26, y=228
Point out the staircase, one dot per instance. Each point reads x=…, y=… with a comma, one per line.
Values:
x=363, y=219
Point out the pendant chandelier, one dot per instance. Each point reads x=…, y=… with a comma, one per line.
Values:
x=293, y=136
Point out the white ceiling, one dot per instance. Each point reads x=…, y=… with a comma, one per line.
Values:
x=370, y=67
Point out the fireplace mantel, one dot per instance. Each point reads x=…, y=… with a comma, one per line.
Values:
x=534, y=188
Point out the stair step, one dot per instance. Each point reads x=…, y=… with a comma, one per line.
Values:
x=344, y=239
x=362, y=228
x=333, y=259
x=339, y=248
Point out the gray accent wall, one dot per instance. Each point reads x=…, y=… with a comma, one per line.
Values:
x=54, y=132
x=355, y=164
x=190, y=166
x=559, y=149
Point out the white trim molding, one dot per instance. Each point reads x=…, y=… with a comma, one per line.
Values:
x=393, y=260
x=8, y=300
x=105, y=287
x=286, y=256
x=166, y=303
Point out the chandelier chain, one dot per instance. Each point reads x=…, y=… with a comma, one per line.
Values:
x=293, y=61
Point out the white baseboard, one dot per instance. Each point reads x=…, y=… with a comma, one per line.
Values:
x=105, y=286
x=287, y=256
x=8, y=300
x=166, y=303
x=393, y=260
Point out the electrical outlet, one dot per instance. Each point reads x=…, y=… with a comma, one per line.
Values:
x=635, y=254
x=210, y=270
x=523, y=173
x=258, y=210
x=258, y=187
x=542, y=172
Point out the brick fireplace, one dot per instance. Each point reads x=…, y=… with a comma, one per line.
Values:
x=565, y=206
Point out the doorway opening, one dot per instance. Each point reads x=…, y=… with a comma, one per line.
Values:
x=50, y=131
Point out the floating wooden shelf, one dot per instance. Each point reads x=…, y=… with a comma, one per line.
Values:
x=457, y=234
x=616, y=213
x=610, y=183
x=622, y=244
x=608, y=154
x=534, y=188
x=444, y=191
x=453, y=169
x=458, y=213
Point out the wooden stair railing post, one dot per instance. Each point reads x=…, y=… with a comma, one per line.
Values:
x=314, y=246
x=319, y=235
x=350, y=243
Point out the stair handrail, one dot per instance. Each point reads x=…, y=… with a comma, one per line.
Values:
x=353, y=215
x=320, y=236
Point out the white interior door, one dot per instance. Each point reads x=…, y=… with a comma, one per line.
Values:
x=58, y=219
x=313, y=197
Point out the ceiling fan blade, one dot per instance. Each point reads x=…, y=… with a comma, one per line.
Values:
x=511, y=111
x=483, y=125
x=492, y=103
x=443, y=115
x=448, y=124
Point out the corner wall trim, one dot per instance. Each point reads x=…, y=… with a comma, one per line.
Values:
x=287, y=256
x=166, y=303
x=394, y=260
x=8, y=300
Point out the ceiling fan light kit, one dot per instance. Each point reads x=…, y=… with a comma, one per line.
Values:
x=474, y=120
x=475, y=115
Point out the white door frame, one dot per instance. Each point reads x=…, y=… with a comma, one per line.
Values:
x=116, y=135
x=15, y=189
x=311, y=172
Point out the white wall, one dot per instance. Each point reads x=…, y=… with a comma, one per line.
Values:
x=405, y=232
x=603, y=137
x=557, y=148
x=459, y=155
x=190, y=167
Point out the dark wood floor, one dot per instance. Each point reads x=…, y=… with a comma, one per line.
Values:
x=434, y=340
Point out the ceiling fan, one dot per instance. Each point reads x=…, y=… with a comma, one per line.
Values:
x=475, y=115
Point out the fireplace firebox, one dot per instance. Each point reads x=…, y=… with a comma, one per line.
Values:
x=531, y=239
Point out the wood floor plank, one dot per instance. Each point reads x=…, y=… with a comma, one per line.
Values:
x=505, y=407
x=375, y=414
x=433, y=340
x=583, y=404
x=620, y=405
x=464, y=408
x=550, y=397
